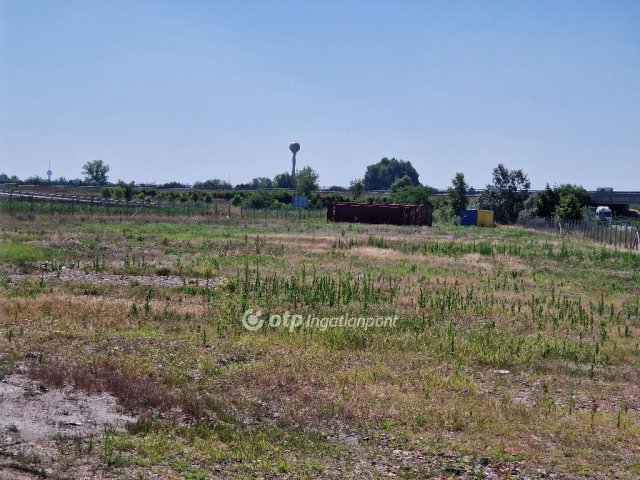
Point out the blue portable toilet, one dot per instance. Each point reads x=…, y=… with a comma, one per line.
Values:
x=469, y=218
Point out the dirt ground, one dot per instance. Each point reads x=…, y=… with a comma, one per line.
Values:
x=34, y=419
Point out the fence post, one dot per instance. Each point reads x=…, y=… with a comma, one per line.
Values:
x=599, y=233
x=619, y=232
x=626, y=229
x=610, y=233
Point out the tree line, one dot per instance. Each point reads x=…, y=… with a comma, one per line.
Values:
x=507, y=194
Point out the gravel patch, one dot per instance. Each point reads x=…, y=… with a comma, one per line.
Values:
x=67, y=275
x=33, y=413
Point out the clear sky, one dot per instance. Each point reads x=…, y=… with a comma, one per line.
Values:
x=187, y=90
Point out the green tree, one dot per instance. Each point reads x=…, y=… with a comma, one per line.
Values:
x=174, y=184
x=236, y=201
x=284, y=180
x=412, y=195
x=213, y=184
x=127, y=189
x=357, y=187
x=381, y=175
x=36, y=180
x=118, y=193
x=261, y=182
x=569, y=208
x=578, y=191
x=457, y=194
x=95, y=171
x=4, y=178
x=307, y=181
x=260, y=199
x=506, y=195
x=546, y=202
x=401, y=183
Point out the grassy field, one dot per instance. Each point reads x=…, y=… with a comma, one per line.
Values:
x=515, y=354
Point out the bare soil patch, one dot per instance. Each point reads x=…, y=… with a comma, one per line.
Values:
x=67, y=275
x=35, y=418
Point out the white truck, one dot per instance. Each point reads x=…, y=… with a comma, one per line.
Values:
x=605, y=215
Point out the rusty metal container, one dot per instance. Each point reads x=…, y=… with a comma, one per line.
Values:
x=380, y=213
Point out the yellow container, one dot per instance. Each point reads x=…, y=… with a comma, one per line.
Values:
x=485, y=218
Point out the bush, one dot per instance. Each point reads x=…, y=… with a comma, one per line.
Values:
x=569, y=208
x=236, y=201
x=213, y=184
x=416, y=195
x=547, y=203
x=118, y=193
x=260, y=199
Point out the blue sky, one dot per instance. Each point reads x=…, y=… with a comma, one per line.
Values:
x=187, y=90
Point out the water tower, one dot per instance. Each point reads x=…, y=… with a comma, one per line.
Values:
x=295, y=148
x=49, y=173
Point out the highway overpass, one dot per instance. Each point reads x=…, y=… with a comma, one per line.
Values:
x=613, y=199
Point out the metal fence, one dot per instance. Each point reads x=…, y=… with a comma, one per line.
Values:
x=282, y=213
x=619, y=236
x=60, y=204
